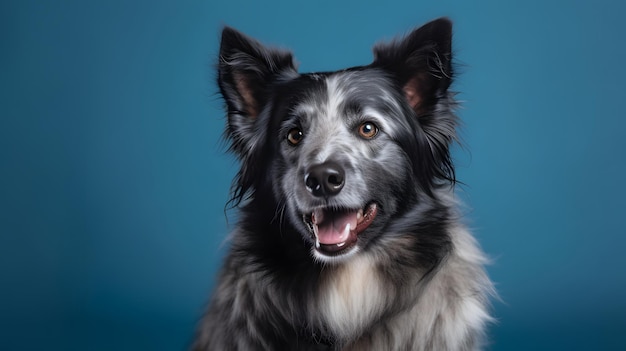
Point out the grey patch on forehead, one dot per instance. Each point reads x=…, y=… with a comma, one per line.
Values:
x=346, y=96
x=367, y=78
x=371, y=88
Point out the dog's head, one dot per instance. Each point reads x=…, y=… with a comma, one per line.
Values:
x=342, y=153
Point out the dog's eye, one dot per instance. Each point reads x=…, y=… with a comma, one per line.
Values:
x=368, y=130
x=294, y=136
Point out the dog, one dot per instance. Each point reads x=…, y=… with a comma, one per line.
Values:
x=349, y=235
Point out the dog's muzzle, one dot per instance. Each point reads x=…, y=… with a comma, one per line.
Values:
x=335, y=230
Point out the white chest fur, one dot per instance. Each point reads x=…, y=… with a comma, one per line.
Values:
x=353, y=297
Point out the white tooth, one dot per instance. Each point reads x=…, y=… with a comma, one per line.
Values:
x=359, y=216
x=346, y=231
x=341, y=244
x=317, y=216
x=317, y=243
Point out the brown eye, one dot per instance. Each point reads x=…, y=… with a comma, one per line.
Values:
x=294, y=136
x=368, y=130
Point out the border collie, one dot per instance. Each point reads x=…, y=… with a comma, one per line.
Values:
x=349, y=237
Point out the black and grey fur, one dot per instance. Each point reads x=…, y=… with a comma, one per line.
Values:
x=372, y=140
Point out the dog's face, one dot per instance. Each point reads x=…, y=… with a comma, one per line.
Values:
x=344, y=153
x=340, y=159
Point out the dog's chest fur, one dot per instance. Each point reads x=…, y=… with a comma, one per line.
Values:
x=352, y=297
x=355, y=301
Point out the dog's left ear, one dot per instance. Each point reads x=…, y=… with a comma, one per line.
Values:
x=421, y=62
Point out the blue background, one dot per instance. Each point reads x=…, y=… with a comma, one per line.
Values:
x=113, y=178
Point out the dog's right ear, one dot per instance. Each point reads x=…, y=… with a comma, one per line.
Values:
x=246, y=71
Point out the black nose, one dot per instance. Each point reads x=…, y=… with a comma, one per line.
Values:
x=325, y=179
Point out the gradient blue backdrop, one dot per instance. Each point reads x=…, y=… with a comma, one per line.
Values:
x=113, y=179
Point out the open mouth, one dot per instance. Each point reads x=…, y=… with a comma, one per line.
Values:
x=336, y=231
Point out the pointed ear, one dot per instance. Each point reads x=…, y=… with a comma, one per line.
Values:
x=421, y=62
x=246, y=70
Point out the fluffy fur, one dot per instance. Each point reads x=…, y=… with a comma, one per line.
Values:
x=349, y=237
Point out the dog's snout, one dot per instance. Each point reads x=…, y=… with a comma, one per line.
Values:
x=325, y=179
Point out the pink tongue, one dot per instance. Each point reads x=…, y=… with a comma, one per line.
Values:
x=333, y=228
